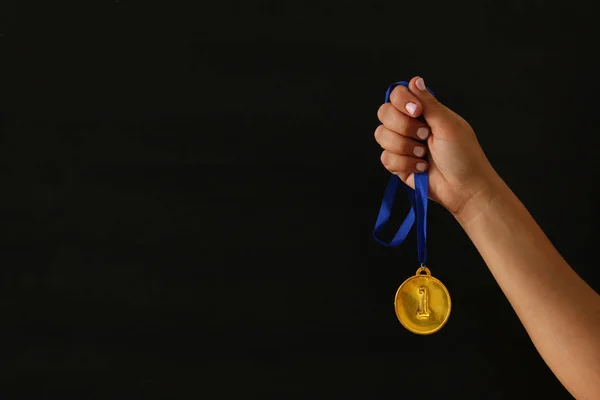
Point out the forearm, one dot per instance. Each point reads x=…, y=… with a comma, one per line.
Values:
x=559, y=310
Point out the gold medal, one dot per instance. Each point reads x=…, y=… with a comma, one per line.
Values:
x=422, y=303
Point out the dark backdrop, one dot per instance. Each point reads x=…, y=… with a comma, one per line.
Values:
x=189, y=191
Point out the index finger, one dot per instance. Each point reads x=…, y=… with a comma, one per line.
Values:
x=406, y=102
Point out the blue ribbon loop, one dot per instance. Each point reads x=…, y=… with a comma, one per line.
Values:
x=418, y=200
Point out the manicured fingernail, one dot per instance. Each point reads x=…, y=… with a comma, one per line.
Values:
x=411, y=108
x=421, y=166
x=420, y=84
x=422, y=132
x=419, y=151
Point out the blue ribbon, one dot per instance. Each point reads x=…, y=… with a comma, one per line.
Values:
x=418, y=200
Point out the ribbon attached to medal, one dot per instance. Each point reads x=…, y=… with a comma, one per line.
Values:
x=422, y=302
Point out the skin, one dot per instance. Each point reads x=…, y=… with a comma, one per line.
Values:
x=560, y=312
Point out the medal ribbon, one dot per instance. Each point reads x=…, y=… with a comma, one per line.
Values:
x=418, y=200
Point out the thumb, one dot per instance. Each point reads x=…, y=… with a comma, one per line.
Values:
x=435, y=113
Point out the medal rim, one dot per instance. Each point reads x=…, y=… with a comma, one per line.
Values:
x=447, y=314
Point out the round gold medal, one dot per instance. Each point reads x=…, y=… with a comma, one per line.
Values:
x=422, y=303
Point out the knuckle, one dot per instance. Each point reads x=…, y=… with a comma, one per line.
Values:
x=396, y=95
x=381, y=113
x=378, y=132
x=385, y=160
x=393, y=162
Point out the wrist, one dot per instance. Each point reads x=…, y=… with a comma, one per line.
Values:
x=482, y=199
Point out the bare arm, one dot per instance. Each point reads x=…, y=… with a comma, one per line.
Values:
x=559, y=310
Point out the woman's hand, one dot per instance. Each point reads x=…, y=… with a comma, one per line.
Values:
x=446, y=146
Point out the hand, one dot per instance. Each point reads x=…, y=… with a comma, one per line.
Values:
x=446, y=146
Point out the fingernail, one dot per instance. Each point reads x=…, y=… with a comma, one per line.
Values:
x=419, y=151
x=420, y=84
x=411, y=108
x=422, y=132
x=421, y=166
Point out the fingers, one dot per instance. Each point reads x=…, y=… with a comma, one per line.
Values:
x=433, y=111
x=398, y=144
x=402, y=165
x=398, y=122
x=406, y=102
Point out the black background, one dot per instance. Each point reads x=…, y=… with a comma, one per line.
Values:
x=189, y=192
